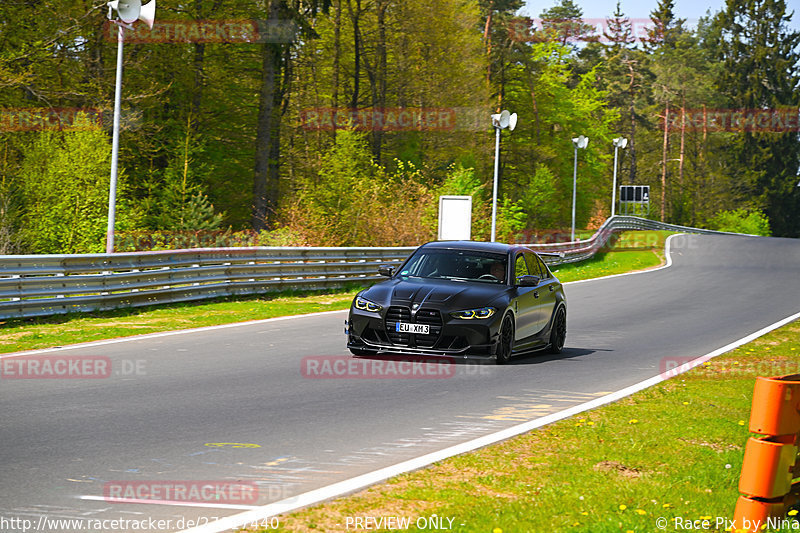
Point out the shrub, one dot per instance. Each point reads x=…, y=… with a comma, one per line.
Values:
x=753, y=222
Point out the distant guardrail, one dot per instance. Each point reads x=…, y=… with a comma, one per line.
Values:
x=41, y=285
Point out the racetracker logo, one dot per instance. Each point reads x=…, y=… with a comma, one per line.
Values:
x=524, y=29
x=781, y=120
x=673, y=366
x=56, y=118
x=216, y=492
x=345, y=367
x=178, y=240
x=57, y=367
x=380, y=119
x=207, y=31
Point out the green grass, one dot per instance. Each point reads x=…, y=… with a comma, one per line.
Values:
x=29, y=334
x=633, y=250
x=673, y=450
x=59, y=330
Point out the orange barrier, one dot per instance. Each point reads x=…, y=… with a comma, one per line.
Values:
x=770, y=462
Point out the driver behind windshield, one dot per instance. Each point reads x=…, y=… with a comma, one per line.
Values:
x=498, y=270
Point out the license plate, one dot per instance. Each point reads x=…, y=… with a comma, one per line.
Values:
x=419, y=329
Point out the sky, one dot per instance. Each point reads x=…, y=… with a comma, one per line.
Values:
x=640, y=9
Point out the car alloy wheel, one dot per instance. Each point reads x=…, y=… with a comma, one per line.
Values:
x=506, y=342
x=559, y=333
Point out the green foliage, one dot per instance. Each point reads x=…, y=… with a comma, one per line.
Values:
x=177, y=202
x=752, y=222
x=10, y=220
x=64, y=185
x=539, y=200
x=538, y=166
x=338, y=204
x=511, y=219
x=354, y=201
x=190, y=120
x=761, y=70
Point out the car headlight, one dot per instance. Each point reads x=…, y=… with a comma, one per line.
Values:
x=470, y=314
x=366, y=305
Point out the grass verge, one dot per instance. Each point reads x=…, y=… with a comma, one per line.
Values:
x=59, y=330
x=671, y=452
x=632, y=251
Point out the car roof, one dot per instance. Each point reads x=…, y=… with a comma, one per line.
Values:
x=497, y=247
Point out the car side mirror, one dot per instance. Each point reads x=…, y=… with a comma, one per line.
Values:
x=386, y=270
x=528, y=281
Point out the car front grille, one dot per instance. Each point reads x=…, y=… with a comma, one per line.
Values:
x=394, y=315
x=432, y=317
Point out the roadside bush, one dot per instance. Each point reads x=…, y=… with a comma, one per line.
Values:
x=753, y=222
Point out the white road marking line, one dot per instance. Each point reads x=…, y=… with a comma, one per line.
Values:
x=665, y=265
x=168, y=502
x=165, y=334
x=351, y=485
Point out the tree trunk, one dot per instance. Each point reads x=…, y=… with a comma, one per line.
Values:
x=377, y=134
x=487, y=38
x=632, y=107
x=664, y=164
x=354, y=18
x=532, y=87
x=265, y=189
x=199, y=80
x=683, y=140
x=337, y=52
x=199, y=70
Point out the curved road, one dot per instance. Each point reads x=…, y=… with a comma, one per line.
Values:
x=174, y=404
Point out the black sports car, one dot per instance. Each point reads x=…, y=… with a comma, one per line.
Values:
x=461, y=298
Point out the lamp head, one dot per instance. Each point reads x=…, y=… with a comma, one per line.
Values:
x=581, y=141
x=505, y=117
x=127, y=10
x=512, y=122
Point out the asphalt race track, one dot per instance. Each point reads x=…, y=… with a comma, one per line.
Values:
x=239, y=403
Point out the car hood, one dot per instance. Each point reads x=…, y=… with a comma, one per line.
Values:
x=438, y=294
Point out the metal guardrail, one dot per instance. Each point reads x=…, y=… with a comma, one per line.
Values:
x=580, y=250
x=41, y=285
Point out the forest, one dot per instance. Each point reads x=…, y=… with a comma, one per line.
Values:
x=341, y=122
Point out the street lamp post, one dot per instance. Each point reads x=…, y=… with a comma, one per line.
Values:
x=128, y=12
x=619, y=142
x=500, y=121
x=579, y=142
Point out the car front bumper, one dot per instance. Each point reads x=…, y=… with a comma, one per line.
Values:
x=448, y=336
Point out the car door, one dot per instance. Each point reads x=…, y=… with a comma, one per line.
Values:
x=527, y=306
x=546, y=290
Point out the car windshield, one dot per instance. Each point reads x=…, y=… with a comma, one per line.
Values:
x=458, y=265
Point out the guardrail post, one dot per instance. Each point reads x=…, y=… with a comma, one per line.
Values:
x=770, y=462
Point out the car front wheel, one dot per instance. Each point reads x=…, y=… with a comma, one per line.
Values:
x=506, y=341
x=558, y=335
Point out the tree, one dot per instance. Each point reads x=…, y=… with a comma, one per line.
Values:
x=666, y=26
x=64, y=183
x=276, y=61
x=759, y=71
x=626, y=74
x=682, y=75
x=177, y=201
x=620, y=31
x=564, y=23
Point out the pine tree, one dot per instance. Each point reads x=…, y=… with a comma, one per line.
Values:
x=666, y=26
x=760, y=71
x=620, y=31
x=624, y=73
x=564, y=23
